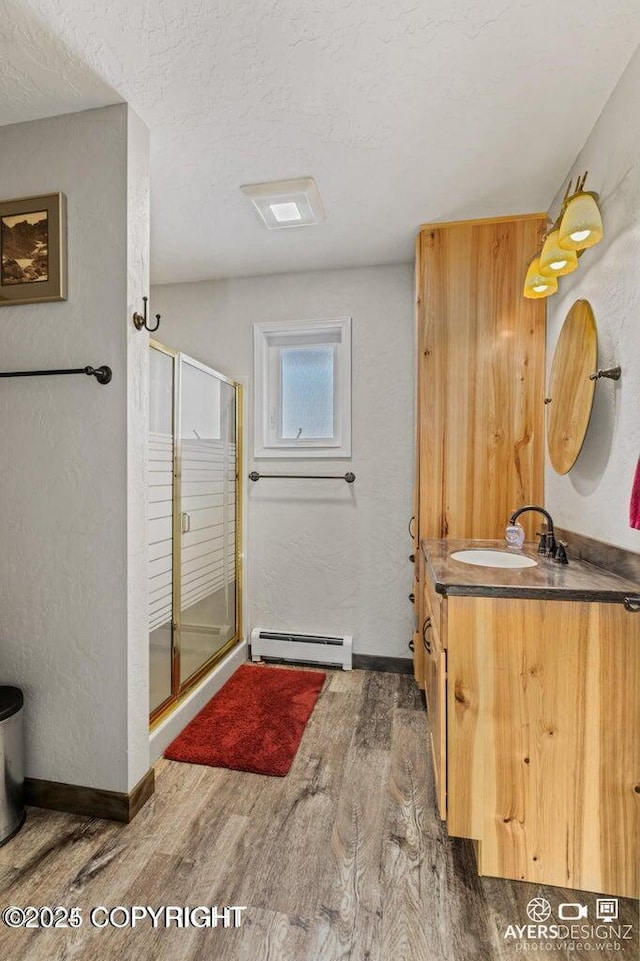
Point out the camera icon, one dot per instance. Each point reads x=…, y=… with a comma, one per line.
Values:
x=572, y=911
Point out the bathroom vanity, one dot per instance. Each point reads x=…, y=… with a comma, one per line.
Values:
x=532, y=681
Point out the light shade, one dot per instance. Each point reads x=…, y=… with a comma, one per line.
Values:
x=538, y=285
x=287, y=203
x=554, y=260
x=581, y=224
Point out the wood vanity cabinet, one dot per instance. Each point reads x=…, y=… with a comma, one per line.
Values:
x=434, y=676
x=534, y=714
x=418, y=617
x=533, y=704
x=480, y=384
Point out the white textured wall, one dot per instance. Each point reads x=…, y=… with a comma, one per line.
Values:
x=69, y=482
x=593, y=499
x=322, y=555
x=136, y=674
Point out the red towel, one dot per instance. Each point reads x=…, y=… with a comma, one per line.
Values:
x=634, y=504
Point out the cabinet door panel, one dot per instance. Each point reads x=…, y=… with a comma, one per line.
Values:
x=418, y=660
x=480, y=377
x=544, y=758
x=435, y=677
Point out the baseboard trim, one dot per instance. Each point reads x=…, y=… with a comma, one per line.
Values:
x=89, y=801
x=387, y=665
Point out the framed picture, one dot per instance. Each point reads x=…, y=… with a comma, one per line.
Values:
x=33, y=237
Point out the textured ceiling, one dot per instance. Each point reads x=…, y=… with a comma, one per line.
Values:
x=39, y=75
x=404, y=111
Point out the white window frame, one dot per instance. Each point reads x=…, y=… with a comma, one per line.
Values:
x=268, y=338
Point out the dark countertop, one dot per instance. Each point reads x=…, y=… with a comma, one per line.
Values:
x=576, y=581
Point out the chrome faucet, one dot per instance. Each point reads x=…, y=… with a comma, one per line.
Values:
x=547, y=544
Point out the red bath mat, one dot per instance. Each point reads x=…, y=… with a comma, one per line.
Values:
x=254, y=723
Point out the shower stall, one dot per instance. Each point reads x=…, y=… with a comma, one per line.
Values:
x=194, y=524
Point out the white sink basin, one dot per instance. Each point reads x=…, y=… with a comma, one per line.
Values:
x=485, y=557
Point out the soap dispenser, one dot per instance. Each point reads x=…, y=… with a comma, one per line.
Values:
x=514, y=535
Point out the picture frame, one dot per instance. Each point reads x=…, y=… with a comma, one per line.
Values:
x=33, y=238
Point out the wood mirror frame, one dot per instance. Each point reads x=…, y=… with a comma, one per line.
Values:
x=570, y=395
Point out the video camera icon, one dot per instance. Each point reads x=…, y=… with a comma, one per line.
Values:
x=572, y=911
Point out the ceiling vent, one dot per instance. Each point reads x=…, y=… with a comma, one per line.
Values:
x=287, y=203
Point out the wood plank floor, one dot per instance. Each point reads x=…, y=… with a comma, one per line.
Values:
x=344, y=858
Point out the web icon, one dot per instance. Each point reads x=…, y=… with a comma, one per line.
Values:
x=607, y=909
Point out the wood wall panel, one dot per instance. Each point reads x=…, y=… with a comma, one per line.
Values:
x=480, y=378
x=543, y=753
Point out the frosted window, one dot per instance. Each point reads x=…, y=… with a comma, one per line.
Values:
x=307, y=392
x=302, y=388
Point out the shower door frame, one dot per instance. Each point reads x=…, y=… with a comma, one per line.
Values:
x=180, y=690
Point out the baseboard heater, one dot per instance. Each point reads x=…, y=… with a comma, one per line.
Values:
x=302, y=648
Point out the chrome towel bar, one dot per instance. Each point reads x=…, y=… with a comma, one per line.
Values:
x=348, y=477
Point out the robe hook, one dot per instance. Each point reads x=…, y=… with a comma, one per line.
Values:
x=140, y=320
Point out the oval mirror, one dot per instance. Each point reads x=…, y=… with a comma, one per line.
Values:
x=570, y=395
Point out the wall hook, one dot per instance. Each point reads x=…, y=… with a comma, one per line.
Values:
x=613, y=373
x=140, y=320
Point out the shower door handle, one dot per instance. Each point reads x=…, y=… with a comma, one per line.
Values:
x=185, y=522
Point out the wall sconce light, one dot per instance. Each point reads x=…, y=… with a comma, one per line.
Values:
x=578, y=227
x=581, y=223
x=555, y=260
x=537, y=284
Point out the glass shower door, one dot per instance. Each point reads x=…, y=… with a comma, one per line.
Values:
x=207, y=468
x=194, y=540
x=160, y=501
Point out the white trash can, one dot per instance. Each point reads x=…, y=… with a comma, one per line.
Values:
x=12, y=811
